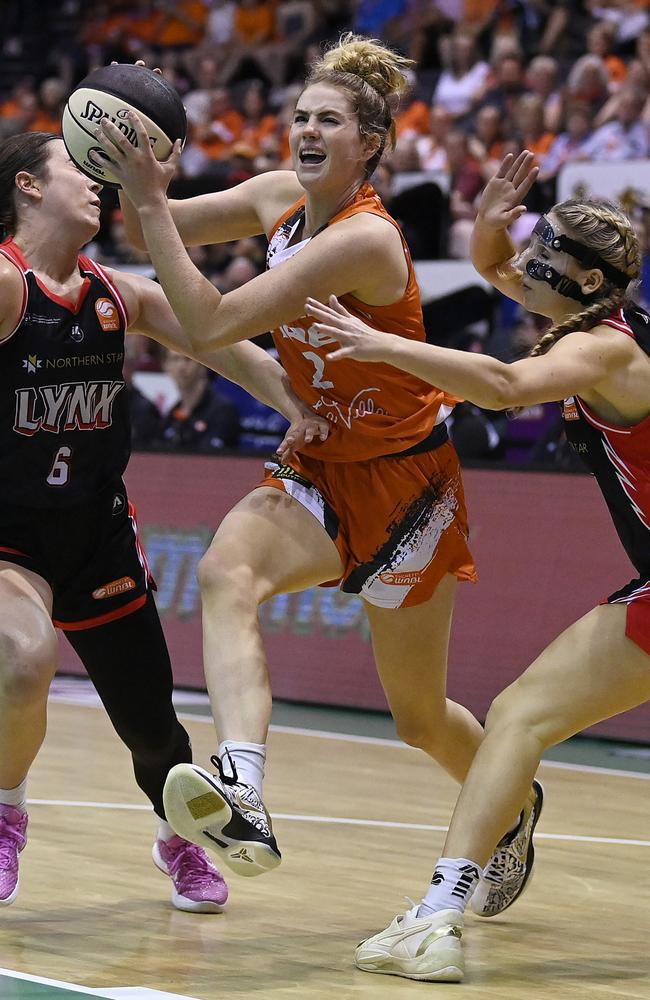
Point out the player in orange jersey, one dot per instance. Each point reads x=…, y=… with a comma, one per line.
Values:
x=378, y=507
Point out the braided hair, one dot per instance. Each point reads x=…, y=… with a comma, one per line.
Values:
x=603, y=227
x=373, y=77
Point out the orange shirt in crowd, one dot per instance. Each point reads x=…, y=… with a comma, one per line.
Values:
x=255, y=24
x=229, y=128
x=540, y=146
x=415, y=118
x=616, y=69
x=45, y=121
x=173, y=30
x=254, y=133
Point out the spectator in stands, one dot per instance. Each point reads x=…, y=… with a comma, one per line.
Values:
x=625, y=137
x=379, y=18
x=506, y=84
x=252, y=53
x=566, y=29
x=146, y=420
x=466, y=182
x=258, y=123
x=588, y=82
x=222, y=129
x=601, y=42
x=432, y=148
x=198, y=101
x=628, y=17
x=219, y=26
x=412, y=117
x=201, y=420
x=543, y=78
x=568, y=146
x=530, y=127
x=486, y=141
x=639, y=68
x=462, y=82
x=180, y=23
x=19, y=108
x=51, y=101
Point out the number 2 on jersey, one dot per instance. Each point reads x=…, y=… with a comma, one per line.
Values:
x=319, y=365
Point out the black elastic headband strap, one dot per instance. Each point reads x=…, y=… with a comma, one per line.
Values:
x=587, y=256
x=590, y=258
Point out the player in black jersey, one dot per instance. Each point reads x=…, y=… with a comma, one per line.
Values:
x=596, y=359
x=69, y=552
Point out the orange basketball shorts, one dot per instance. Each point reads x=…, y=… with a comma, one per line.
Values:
x=400, y=524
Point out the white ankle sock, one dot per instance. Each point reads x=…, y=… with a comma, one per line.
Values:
x=452, y=885
x=16, y=797
x=249, y=759
x=165, y=831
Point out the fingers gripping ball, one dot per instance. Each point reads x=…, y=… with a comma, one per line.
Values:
x=111, y=92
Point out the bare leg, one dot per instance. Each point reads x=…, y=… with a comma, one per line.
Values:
x=28, y=660
x=268, y=544
x=410, y=646
x=589, y=673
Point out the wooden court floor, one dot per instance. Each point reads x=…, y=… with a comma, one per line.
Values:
x=360, y=824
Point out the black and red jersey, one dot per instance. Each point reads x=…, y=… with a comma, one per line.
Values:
x=619, y=457
x=64, y=411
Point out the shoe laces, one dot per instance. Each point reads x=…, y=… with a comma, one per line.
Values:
x=228, y=779
x=11, y=841
x=189, y=863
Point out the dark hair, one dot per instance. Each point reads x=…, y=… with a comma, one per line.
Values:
x=27, y=151
x=373, y=77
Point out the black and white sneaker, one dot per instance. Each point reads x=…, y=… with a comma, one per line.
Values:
x=509, y=869
x=221, y=813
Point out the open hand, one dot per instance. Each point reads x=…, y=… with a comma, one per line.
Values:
x=357, y=339
x=501, y=202
x=143, y=178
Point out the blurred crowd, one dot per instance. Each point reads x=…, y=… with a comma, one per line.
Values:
x=568, y=79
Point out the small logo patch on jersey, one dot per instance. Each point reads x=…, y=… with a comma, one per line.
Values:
x=114, y=588
x=76, y=334
x=32, y=363
x=107, y=315
x=570, y=409
x=400, y=579
x=119, y=503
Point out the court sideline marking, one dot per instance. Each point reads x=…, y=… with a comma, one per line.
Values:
x=103, y=993
x=86, y=702
x=346, y=821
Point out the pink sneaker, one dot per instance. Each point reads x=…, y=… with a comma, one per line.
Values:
x=13, y=824
x=198, y=886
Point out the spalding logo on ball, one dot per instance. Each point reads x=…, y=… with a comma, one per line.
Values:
x=111, y=92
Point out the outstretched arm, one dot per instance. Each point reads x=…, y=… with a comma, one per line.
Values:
x=576, y=363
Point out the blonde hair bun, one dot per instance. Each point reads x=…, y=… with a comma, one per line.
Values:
x=371, y=60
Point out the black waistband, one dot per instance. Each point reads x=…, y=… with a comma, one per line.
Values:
x=438, y=436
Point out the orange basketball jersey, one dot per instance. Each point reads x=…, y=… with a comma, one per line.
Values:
x=374, y=409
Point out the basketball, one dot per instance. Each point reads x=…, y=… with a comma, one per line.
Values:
x=112, y=91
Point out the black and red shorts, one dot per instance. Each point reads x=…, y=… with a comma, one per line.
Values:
x=89, y=554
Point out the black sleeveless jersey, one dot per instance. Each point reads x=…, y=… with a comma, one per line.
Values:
x=64, y=412
x=619, y=457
